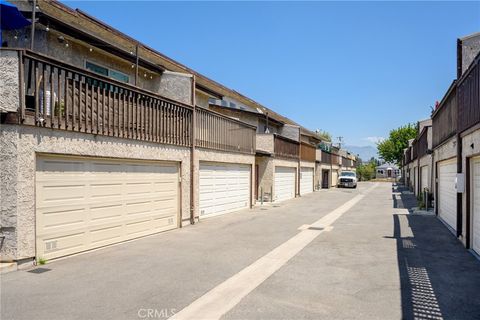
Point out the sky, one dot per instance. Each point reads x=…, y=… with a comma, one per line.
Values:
x=354, y=69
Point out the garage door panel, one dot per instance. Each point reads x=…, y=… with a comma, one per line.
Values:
x=476, y=205
x=223, y=188
x=447, y=201
x=306, y=180
x=108, y=204
x=284, y=183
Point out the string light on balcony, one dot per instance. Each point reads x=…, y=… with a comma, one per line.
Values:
x=90, y=49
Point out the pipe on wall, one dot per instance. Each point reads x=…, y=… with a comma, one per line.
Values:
x=192, y=156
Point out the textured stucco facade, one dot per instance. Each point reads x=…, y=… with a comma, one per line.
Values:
x=9, y=81
x=265, y=142
x=172, y=85
x=20, y=147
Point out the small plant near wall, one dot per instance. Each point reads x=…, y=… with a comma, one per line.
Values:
x=41, y=261
x=420, y=202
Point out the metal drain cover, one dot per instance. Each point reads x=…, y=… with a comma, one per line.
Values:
x=39, y=270
x=315, y=228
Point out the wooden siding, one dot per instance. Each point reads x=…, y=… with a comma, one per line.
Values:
x=326, y=157
x=468, y=97
x=444, y=119
x=216, y=131
x=286, y=148
x=422, y=143
x=307, y=152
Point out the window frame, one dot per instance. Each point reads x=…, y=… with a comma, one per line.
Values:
x=108, y=70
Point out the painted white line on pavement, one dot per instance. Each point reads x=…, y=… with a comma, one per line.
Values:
x=225, y=296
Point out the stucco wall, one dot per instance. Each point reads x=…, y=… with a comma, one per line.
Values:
x=9, y=81
x=264, y=142
x=77, y=53
x=265, y=177
x=470, y=48
x=176, y=86
x=318, y=174
x=21, y=144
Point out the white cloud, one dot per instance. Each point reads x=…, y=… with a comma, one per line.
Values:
x=374, y=140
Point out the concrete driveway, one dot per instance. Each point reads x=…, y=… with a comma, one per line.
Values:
x=364, y=257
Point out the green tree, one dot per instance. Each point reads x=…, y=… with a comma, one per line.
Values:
x=323, y=135
x=391, y=149
x=366, y=171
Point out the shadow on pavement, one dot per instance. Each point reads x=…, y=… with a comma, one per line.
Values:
x=439, y=278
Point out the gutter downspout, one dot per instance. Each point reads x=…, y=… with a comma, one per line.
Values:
x=459, y=195
x=32, y=31
x=299, y=161
x=192, y=155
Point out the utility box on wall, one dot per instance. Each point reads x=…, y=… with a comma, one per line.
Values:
x=460, y=183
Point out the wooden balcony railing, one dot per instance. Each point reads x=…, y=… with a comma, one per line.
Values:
x=422, y=143
x=468, y=97
x=285, y=148
x=414, y=149
x=326, y=157
x=216, y=131
x=444, y=119
x=335, y=159
x=57, y=95
x=346, y=162
x=65, y=97
x=307, y=152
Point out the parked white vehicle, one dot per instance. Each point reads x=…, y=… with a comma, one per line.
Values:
x=347, y=179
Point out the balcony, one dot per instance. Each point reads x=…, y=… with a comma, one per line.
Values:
x=444, y=119
x=286, y=148
x=56, y=95
x=468, y=97
x=278, y=146
x=307, y=152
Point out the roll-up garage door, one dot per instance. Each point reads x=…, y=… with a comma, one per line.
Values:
x=86, y=203
x=447, y=197
x=284, y=183
x=223, y=188
x=306, y=180
x=475, y=212
x=424, y=178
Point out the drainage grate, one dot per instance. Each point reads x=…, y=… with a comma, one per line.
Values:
x=39, y=270
x=315, y=228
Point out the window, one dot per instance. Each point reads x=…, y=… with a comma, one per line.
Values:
x=114, y=74
x=380, y=171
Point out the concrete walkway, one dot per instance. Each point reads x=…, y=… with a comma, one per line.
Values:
x=375, y=261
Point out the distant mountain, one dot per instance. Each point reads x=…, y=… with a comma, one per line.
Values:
x=365, y=152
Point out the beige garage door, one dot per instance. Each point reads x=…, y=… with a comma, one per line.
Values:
x=447, y=195
x=223, y=188
x=475, y=211
x=86, y=203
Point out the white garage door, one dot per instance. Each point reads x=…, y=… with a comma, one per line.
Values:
x=415, y=180
x=424, y=180
x=476, y=205
x=223, y=188
x=447, y=196
x=284, y=183
x=86, y=203
x=306, y=180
